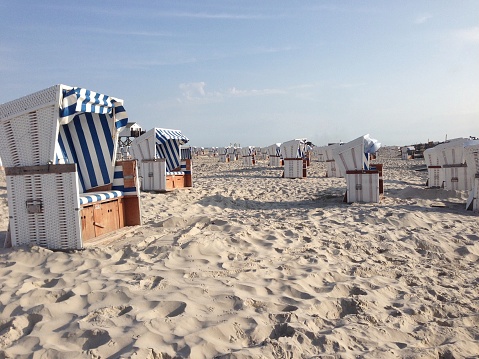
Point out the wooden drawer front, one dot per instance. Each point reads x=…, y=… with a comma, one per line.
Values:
x=87, y=227
x=105, y=217
x=179, y=181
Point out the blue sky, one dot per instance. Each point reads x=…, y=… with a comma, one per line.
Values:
x=258, y=72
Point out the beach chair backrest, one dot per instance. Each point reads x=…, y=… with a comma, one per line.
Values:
x=64, y=125
x=451, y=152
x=431, y=157
x=471, y=155
x=354, y=155
x=292, y=149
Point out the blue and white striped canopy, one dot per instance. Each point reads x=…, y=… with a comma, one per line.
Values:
x=168, y=144
x=90, y=124
x=79, y=100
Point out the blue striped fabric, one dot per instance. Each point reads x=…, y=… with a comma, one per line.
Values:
x=78, y=100
x=90, y=125
x=98, y=196
x=119, y=184
x=186, y=153
x=168, y=144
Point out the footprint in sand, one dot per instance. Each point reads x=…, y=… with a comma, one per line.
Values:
x=16, y=328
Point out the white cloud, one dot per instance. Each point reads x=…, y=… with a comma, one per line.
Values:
x=193, y=90
x=422, y=19
x=129, y=32
x=468, y=35
x=196, y=92
x=236, y=92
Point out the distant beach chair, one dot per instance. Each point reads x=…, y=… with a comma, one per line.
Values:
x=264, y=153
x=293, y=158
x=471, y=154
x=274, y=154
x=248, y=155
x=450, y=156
x=232, y=153
x=331, y=168
x=158, y=152
x=64, y=184
x=407, y=152
x=223, y=154
x=364, y=182
x=320, y=153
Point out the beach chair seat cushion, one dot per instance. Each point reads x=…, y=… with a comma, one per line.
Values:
x=92, y=197
x=175, y=173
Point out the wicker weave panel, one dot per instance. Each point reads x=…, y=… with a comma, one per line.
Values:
x=57, y=224
x=30, y=102
x=293, y=168
x=29, y=139
x=153, y=175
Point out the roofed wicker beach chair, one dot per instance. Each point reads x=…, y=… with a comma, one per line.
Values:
x=293, y=157
x=223, y=154
x=248, y=154
x=407, y=152
x=159, y=154
x=64, y=185
x=274, y=153
x=319, y=153
x=364, y=181
x=332, y=169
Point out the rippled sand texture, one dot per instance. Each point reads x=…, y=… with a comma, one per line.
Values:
x=250, y=265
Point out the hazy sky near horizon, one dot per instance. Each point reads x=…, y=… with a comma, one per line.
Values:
x=258, y=72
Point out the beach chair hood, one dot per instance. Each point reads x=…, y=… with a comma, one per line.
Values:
x=160, y=143
x=89, y=128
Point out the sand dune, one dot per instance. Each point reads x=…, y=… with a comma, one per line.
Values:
x=249, y=265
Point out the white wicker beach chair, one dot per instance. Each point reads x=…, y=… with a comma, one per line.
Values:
x=332, y=170
x=293, y=158
x=64, y=184
x=364, y=184
x=161, y=165
x=274, y=153
x=407, y=152
x=248, y=155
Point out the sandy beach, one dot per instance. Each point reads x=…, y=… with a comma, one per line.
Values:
x=247, y=264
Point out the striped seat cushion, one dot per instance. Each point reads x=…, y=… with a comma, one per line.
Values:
x=98, y=196
x=178, y=173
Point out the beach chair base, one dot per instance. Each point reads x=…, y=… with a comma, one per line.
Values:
x=275, y=161
x=155, y=178
x=456, y=178
x=362, y=186
x=435, y=177
x=224, y=158
x=249, y=160
x=294, y=168
x=332, y=170
x=45, y=208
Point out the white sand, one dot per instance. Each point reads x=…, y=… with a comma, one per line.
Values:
x=249, y=265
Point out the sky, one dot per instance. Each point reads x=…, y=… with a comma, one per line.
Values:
x=258, y=72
